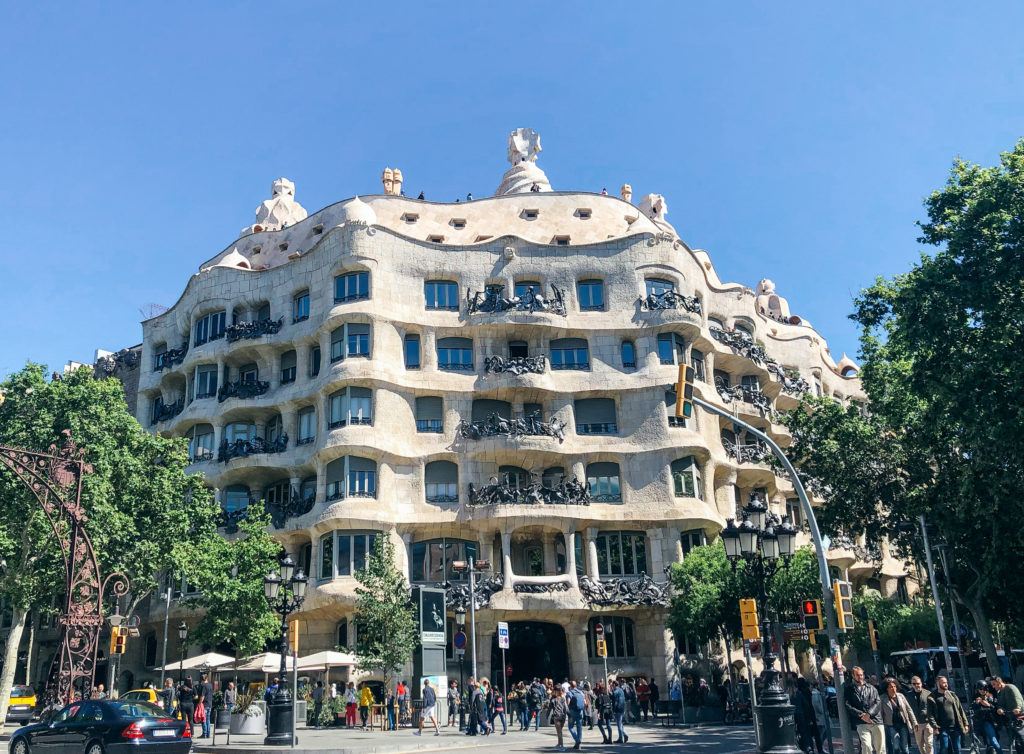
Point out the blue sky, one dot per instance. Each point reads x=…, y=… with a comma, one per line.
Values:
x=793, y=140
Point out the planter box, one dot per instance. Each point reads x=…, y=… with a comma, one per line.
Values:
x=222, y=720
x=249, y=725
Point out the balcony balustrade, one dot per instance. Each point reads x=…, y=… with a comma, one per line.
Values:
x=242, y=389
x=253, y=330
x=244, y=448
x=512, y=492
x=169, y=358
x=670, y=300
x=516, y=365
x=521, y=426
x=748, y=452
x=630, y=590
x=294, y=505
x=494, y=301
x=754, y=397
x=165, y=411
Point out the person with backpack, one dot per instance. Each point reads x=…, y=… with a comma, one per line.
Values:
x=619, y=711
x=498, y=710
x=576, y=705
x=557, y=713
x=536, y=697
x=603, y=711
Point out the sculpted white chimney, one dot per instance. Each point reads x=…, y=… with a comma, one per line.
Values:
x=524, y=176
x=279, y=211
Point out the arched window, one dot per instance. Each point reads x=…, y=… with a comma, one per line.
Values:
x=553, y=477
x=514, y=476
x=591, y=295
x=522, y=288
x=455, y=354
x=431, y=560
x=570, y=353
x=442, y=482
x=209, y=327
x=619, y=636
x=595, y=416
x=628, y=351
x=603, y=482
x=744, y=327
x=351, y=286
x=686, y=478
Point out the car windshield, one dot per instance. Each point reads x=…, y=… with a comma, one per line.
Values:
x=134, y=709
x=136, y=696
x=22, y=691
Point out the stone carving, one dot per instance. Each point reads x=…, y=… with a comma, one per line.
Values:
x=163, y=412
x=558, y=586
x=528, y=426
x=293, y=506
x=497, y=492
x=126, y=359
x=457, y=595
x=492, y=300
x=392, y=180
x=625, y=591
x=279, y=211
x=524, y=175
x=772, y=305
x=670, y=300
x=245, y=448
x=242, y=389
x=626, y=192
x=516, y=365
x=253, y=330
x=654, y=206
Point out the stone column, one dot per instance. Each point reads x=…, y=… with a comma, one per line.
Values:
x=428, y=350
x=570, y=555
x=550, y=566
x=302, y=361
x=290, y=423
x=591, y=542
x=579, y=661
x=654, y=548
x=506, y=559
x=725, y=495
x=407, y=546
x=218, y=435
x=707, y=473
x=321, y=481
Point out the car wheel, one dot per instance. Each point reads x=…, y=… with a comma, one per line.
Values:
x=94, y=748
x=20, y=746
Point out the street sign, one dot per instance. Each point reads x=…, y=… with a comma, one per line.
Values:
x=794, y=632
x=602, y=647
x=460, y=641
x=503, y=635
x=599, y=629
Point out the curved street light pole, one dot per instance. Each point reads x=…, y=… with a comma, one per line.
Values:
x=823, y=574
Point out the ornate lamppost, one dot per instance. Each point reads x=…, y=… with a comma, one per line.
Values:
x=763, y=539
x=283, y=601
x=460, y=621
x=182, y=638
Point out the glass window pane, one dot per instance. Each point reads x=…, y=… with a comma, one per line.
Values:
x=344, y=555
x=326, y=556
x=359, y=551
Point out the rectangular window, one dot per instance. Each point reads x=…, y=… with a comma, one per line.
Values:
x=314, y=361
x=362, y=483
x=430, y=414
x=412, y=351
x=691, y=539
x=455, y=354
x=344, y=555
x=307, y=425
x=570, y=353
x=358, y=339
x=201, y=446
x=751, y=383
x=206, y=381
x=591, y=295
x=300, y=307
x=352, y=286
x=210, y=327
x=441, y=295
x=697, y=362
x=248, y=373
x=327, y=556
x=338, y=344
x=288, y=368
x=624, y=553
x=794, y=512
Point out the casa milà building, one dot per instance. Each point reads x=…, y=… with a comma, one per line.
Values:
x=491, y=378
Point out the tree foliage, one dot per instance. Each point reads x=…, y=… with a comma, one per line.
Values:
x=230, y=575
x=898, y=625
x=942, y=353
x=386, y=637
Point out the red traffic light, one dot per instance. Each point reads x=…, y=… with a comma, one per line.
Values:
x=810, y=607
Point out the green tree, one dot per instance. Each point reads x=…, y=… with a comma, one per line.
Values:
x=387, y=636
x=232, y=599
x=897, y=624
x=941, y=346
x=145, y=515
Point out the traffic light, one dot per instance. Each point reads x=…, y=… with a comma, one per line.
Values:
x=873, y=635
x=118, y=640
x=843, y=595
x=748, y=618
x=811, y=612
x=602, y=648
x=684, y=392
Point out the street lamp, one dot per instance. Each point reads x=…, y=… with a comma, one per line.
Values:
x=460, y=621
x=472, y=567
x=182, y=637
x=285, y=590
x=762, y=540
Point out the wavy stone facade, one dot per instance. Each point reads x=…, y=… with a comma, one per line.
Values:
x=571, y=475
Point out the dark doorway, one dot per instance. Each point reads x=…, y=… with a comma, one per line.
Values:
x=535, y=650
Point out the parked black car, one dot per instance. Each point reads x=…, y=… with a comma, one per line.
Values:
x=104, y=727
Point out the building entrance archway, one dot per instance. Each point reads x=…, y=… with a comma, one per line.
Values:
x=536, y=649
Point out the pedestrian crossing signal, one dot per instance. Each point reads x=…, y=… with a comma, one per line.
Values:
x=843, y=595
x=118, y=640
x=602, y=648
x=684, y=392
x=811, y=612
x=748, y=619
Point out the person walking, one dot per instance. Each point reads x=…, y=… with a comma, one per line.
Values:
x=591, y=710
x=655, y=697
x=949, y=717
x=898, y=719
x=480, y=706
x=806, y=720
x=402, y=692
x=918, y=699
x=864, y=708
x=1010, y=708
x=603, y=710
x=619, y=711
x=557, y=714
x=453, y=703
x=498, y=711
x=351, y=703
x=983, y=713
x=643, y=697
x=429, y=711
x=166, y=696
x=204, y=701
x=187, y=702
x=365, y=703
x=230, y=697
x=537, y=695
x=576, y=705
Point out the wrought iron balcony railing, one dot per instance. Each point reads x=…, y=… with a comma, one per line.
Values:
x=791, y=381
x=597, y=428
x=510, y=492
x=516, y=365
x=755, y=452
x=520, y=426
x=229, y=520
x=295, y=505
x=742, y=344
x=169, y=358
x=242, y=389
x=639, y=590
x=494, y=301
x=670, y=300
x=756, y=398
x=245, y=448
x=165, y=411
x=253, y=330
x=435, y=426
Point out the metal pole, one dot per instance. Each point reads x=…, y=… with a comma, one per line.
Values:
x=935, y=597
x=472, y=610
x=295, y=684
x=462, y=681
x=823, y=574
x=167, y=618
x=504, y=679
x=956, y=624
x=753, y=692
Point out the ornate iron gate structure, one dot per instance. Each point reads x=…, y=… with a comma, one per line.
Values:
x=55, y=479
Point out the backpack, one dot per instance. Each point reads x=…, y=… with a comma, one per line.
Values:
x=535, y=696
x=576, y=702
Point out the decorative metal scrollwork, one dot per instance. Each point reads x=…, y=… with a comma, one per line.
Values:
x=528, y=426
x=625, y=591
x=164, y=411
x=295, y=505
x=457, y=594
x=791, y=381
x=169, y=358
x=558, y=586
x=244, y=448
x=507, y=492
x=755, y=452
x=670, y=300
x=756, y=398
x=242, y=389
x=229, y=520
x=492, y=300
x=516, y=365
x=253, y=330
x=742, y=344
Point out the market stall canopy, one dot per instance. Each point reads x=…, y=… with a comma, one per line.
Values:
x=329, y=659
x=265, y=662
x=211, y=660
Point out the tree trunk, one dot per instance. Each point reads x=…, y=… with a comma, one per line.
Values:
x=11, y=660
x=728, y=656
x=32, y=620
x=974, y=607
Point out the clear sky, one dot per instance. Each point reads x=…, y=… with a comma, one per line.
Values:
x=792, y=140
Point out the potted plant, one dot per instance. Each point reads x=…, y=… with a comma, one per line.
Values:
x=247, y=717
